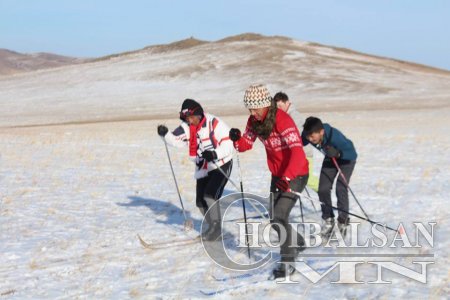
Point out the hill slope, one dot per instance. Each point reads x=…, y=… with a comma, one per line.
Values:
x=13, y=62
x=152, y=82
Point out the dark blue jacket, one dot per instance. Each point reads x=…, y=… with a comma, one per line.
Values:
x=333, y=137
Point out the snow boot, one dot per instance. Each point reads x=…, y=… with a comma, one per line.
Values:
x=327, y=228
x=342, y=226
x=281, y=272
x=214, y=232
x=301, y=245
x=207, y=220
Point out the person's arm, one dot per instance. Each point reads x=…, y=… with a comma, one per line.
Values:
x=342, y=145
x=224, y=146
x=179, y=137
x=247, y=139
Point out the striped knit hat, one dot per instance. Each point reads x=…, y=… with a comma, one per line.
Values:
x=257, y=96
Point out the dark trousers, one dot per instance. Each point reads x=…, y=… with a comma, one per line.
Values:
x=327, y=176
x=210, y=188
x=282, y=206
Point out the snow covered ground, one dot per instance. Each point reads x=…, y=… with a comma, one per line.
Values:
x=74, y=197
x=75, y=194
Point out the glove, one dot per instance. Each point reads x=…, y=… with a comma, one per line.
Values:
x=330, y=151
x=209, y=155
x=162, y=130
x=283, y=184
x=235, y=134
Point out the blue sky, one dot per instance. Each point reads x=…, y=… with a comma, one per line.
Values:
x=410, y=30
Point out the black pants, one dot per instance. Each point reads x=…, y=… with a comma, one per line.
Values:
x=282, y=206
x=210, y=188
x=327, y=176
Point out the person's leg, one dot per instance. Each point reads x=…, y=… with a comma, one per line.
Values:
x=273, y=191
x=298, y=184
x=342, y=191
x=200, y=194
x=213, y=192
x=200, y=201
x=217, y=181
x=327, y=175
x=284, y=202
x=280, y=211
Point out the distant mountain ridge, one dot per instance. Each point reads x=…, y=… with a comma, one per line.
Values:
x=151, y=82
x=12, y=62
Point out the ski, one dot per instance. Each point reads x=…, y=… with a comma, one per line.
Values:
x=232, y=277
x=168, y=244
x=231, y=288
x=264, y=278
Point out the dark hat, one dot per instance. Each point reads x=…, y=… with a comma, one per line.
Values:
x=190, y=107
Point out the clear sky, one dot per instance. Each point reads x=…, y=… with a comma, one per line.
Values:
x=413, y=30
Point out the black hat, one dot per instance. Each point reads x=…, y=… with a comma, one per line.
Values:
x=190, y=107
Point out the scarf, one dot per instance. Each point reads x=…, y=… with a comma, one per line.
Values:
x=264, y=128
x=193, y=129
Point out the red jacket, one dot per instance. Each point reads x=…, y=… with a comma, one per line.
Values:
x=284, y=147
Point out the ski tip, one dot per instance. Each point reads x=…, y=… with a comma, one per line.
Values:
x=401, y=230
x=143, y=243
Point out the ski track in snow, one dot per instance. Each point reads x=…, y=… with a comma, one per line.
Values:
x=73, y=199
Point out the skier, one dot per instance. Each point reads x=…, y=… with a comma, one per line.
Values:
x=286, y=161
x=331, y=142
x=209, y=147
x=283, y=103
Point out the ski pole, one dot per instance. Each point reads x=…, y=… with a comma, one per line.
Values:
x=310, y=199
x=243, y=201
x=187, y=223
x=358, y=216
x=301, y=207
x=243, y=204
x=347, y=186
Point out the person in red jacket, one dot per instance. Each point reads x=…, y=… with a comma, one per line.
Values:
x=286, y=161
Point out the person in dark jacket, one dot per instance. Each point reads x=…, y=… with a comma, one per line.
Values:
x=337, y=149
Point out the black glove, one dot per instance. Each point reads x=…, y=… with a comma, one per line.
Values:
x=209, y=155
x=330, y=151
x=283, y=184
x=162, y=130
x=235, y=134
